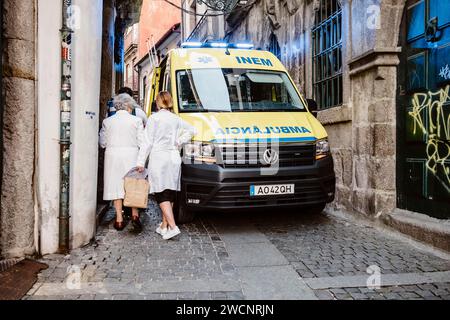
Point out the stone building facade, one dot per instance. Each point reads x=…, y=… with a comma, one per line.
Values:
x=200, y=22
x=349, y=57
x=142, y=37
x=146, y=66
x=131, y=57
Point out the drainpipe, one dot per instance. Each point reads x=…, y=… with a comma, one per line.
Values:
x=65, y=123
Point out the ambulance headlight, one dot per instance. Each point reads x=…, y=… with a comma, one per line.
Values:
x=192, y=150
x=208, y=151
x=322, y=149
x=200, y=152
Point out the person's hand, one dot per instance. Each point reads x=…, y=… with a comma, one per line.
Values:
x=140, y=169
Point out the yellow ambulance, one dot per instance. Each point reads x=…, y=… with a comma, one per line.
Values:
x=259, y=145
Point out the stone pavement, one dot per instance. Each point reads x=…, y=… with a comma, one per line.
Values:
x=268, y=255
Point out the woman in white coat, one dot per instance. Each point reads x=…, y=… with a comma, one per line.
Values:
x=165, y=133
x=121, y=136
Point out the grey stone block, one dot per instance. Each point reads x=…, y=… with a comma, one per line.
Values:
x=272, y=283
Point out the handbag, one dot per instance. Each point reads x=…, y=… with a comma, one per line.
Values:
x=137, y=189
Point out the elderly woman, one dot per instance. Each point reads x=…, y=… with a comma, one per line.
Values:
x=121, y=136
x=165, y=134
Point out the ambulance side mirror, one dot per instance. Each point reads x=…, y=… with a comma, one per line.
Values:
x=312, y=106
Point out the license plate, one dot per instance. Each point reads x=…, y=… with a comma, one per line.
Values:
x=272, y=190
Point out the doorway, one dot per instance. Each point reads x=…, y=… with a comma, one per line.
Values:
x=423, y=109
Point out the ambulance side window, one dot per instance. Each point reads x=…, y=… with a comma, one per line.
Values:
x=167, y=83
x=162, y=79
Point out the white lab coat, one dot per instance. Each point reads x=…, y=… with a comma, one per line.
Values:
x=122, y=136
x=141, y=115
x=165, y=133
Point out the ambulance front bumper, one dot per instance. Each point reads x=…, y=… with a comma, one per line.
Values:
x=213, y=187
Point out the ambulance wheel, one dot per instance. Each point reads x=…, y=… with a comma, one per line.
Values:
x=317, y=209
x=182, y=214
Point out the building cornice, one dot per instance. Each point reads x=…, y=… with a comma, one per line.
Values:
x=377, y=57
x=132, y=49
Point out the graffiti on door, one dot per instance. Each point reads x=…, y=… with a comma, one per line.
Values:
x=431, y=105
x=445, y=72
x=423, y=102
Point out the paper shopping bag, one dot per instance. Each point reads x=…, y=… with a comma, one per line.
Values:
x=136, y=193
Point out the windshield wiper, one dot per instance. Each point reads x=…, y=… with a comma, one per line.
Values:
x=246, y=110
x=270, y=110
x=278, y=110
x=206, y=111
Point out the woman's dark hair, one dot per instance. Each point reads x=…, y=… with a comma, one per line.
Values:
x=126, y=90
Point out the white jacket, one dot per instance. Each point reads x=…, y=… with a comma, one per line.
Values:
x=122, y=136
x=164, y=134
x=141, y=115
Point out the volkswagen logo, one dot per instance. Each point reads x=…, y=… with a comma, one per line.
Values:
x=271, y=157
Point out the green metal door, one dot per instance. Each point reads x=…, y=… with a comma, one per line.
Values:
x=423, y=109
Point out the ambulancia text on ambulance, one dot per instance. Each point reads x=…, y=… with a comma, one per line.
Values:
x=258, y=144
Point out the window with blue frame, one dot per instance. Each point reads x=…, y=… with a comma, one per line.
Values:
x=327, y=54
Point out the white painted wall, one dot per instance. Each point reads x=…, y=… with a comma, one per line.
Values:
x=49, y=60
x=86, y=57
x=86, y=70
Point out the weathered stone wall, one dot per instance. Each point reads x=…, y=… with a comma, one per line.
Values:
x=107, y=79
x=362, y=131
x=17, y=198
x=107, y=84
x=1, y=109
x=374, y=146
x=373, y=72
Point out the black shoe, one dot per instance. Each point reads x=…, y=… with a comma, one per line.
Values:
x=127, y=213
x=120, y=226
x=137, y=224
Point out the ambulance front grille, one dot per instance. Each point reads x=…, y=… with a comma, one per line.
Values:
x=251, y=156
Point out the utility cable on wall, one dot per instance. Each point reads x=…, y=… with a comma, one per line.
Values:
x=208, y=14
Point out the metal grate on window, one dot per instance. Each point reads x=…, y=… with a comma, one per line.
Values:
x=327, y=54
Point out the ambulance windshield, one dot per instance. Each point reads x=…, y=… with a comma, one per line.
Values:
x=236, y=90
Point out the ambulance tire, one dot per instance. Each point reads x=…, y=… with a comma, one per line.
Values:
x=317, y=209
x=182, y=214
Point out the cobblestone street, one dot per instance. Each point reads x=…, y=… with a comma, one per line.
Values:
x=246, y=256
